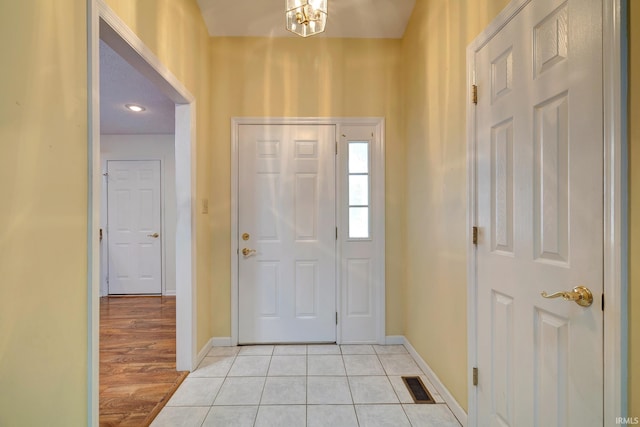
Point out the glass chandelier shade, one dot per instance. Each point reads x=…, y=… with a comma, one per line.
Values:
x=306, y=17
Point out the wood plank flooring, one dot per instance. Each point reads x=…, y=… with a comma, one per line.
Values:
x=137, y=359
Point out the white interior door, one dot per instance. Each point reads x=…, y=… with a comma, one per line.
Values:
x=133, y=227
x=539, y=211
x=287, y=230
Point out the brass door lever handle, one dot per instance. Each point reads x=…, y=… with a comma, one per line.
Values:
x=580, y=295
x=247, y=252
x=154, y=235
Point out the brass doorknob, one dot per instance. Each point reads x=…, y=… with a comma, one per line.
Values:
x=247, y=252
x=581, y=295
x=154, y=235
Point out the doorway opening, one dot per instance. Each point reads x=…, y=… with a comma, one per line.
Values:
x=106, y=26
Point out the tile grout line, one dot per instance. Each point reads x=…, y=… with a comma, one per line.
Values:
x=396, y=392
x=353, y=402
x=306, y=385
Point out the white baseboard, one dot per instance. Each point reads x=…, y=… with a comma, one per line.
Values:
x=221, y=342
x=213, y=342
x=453, y=404
x=170, y=293
x=204, y=351
x=395, y=340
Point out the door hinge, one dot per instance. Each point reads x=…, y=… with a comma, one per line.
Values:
x=336, y=148
x=475, y=376
x=474, y=94
x=336, y=233
x=336, y=317
x=602, y=302
x=474, y=235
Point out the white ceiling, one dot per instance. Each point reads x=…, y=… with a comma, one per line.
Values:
x=121, y=84
x=347, y=18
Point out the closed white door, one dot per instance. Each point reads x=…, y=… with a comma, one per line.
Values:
x=539, y=205
x=287, y=234
x=133, y=227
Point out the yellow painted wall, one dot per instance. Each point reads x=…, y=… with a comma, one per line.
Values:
x=294, y=77
x=434, y=77
x=634, y=209
x=175, y=31
x=43, y=213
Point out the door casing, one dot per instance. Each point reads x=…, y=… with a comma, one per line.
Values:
x=377, y=226
x=103, y=22
x=615, y=204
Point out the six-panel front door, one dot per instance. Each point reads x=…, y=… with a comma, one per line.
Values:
x=287, y=227
x=133, y=221
x=540, y=217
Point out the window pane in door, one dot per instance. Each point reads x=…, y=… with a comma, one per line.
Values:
x=358, y=190
x=359, y=157
x=358, y=223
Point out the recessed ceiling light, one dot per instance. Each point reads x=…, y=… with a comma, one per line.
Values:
x=136, y=108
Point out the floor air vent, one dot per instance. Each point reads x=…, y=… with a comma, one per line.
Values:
x=418, y=391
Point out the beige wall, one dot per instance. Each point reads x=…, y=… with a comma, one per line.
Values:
x=434, y=77
x=634, y=209
x=293, y=77
x=43, y=213
x=175, y=31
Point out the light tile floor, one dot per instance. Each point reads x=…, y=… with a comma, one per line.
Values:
x=300, y=385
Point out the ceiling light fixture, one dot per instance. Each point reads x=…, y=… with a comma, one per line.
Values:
x=135, y=108
x=306, y=17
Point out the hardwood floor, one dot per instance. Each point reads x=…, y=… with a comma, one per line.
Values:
x=137, y=359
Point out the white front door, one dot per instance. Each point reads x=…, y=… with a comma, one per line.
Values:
x=539, y=204
x=133, y=227
x=287, y=230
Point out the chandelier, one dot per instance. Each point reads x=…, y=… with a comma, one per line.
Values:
x=306, y=17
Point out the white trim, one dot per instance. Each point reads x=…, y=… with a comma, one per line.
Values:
x=170, y=293
x=496, y=25
x=615, y=209
x=186, y=302
x=213, y=342
x=453, y=404
x=394, y=340
x=615, y=204
x=204, y=351
x=93, y=213
x=472, y=331
x=221, y=342
x=378, y=225
x=104, y=23
x=128, y=45
x=483, y=38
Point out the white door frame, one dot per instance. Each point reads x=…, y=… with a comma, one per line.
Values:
x=377, y=226
x=615, y=205
x=101, y=20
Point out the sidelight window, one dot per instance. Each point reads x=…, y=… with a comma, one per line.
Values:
x=359, y=190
